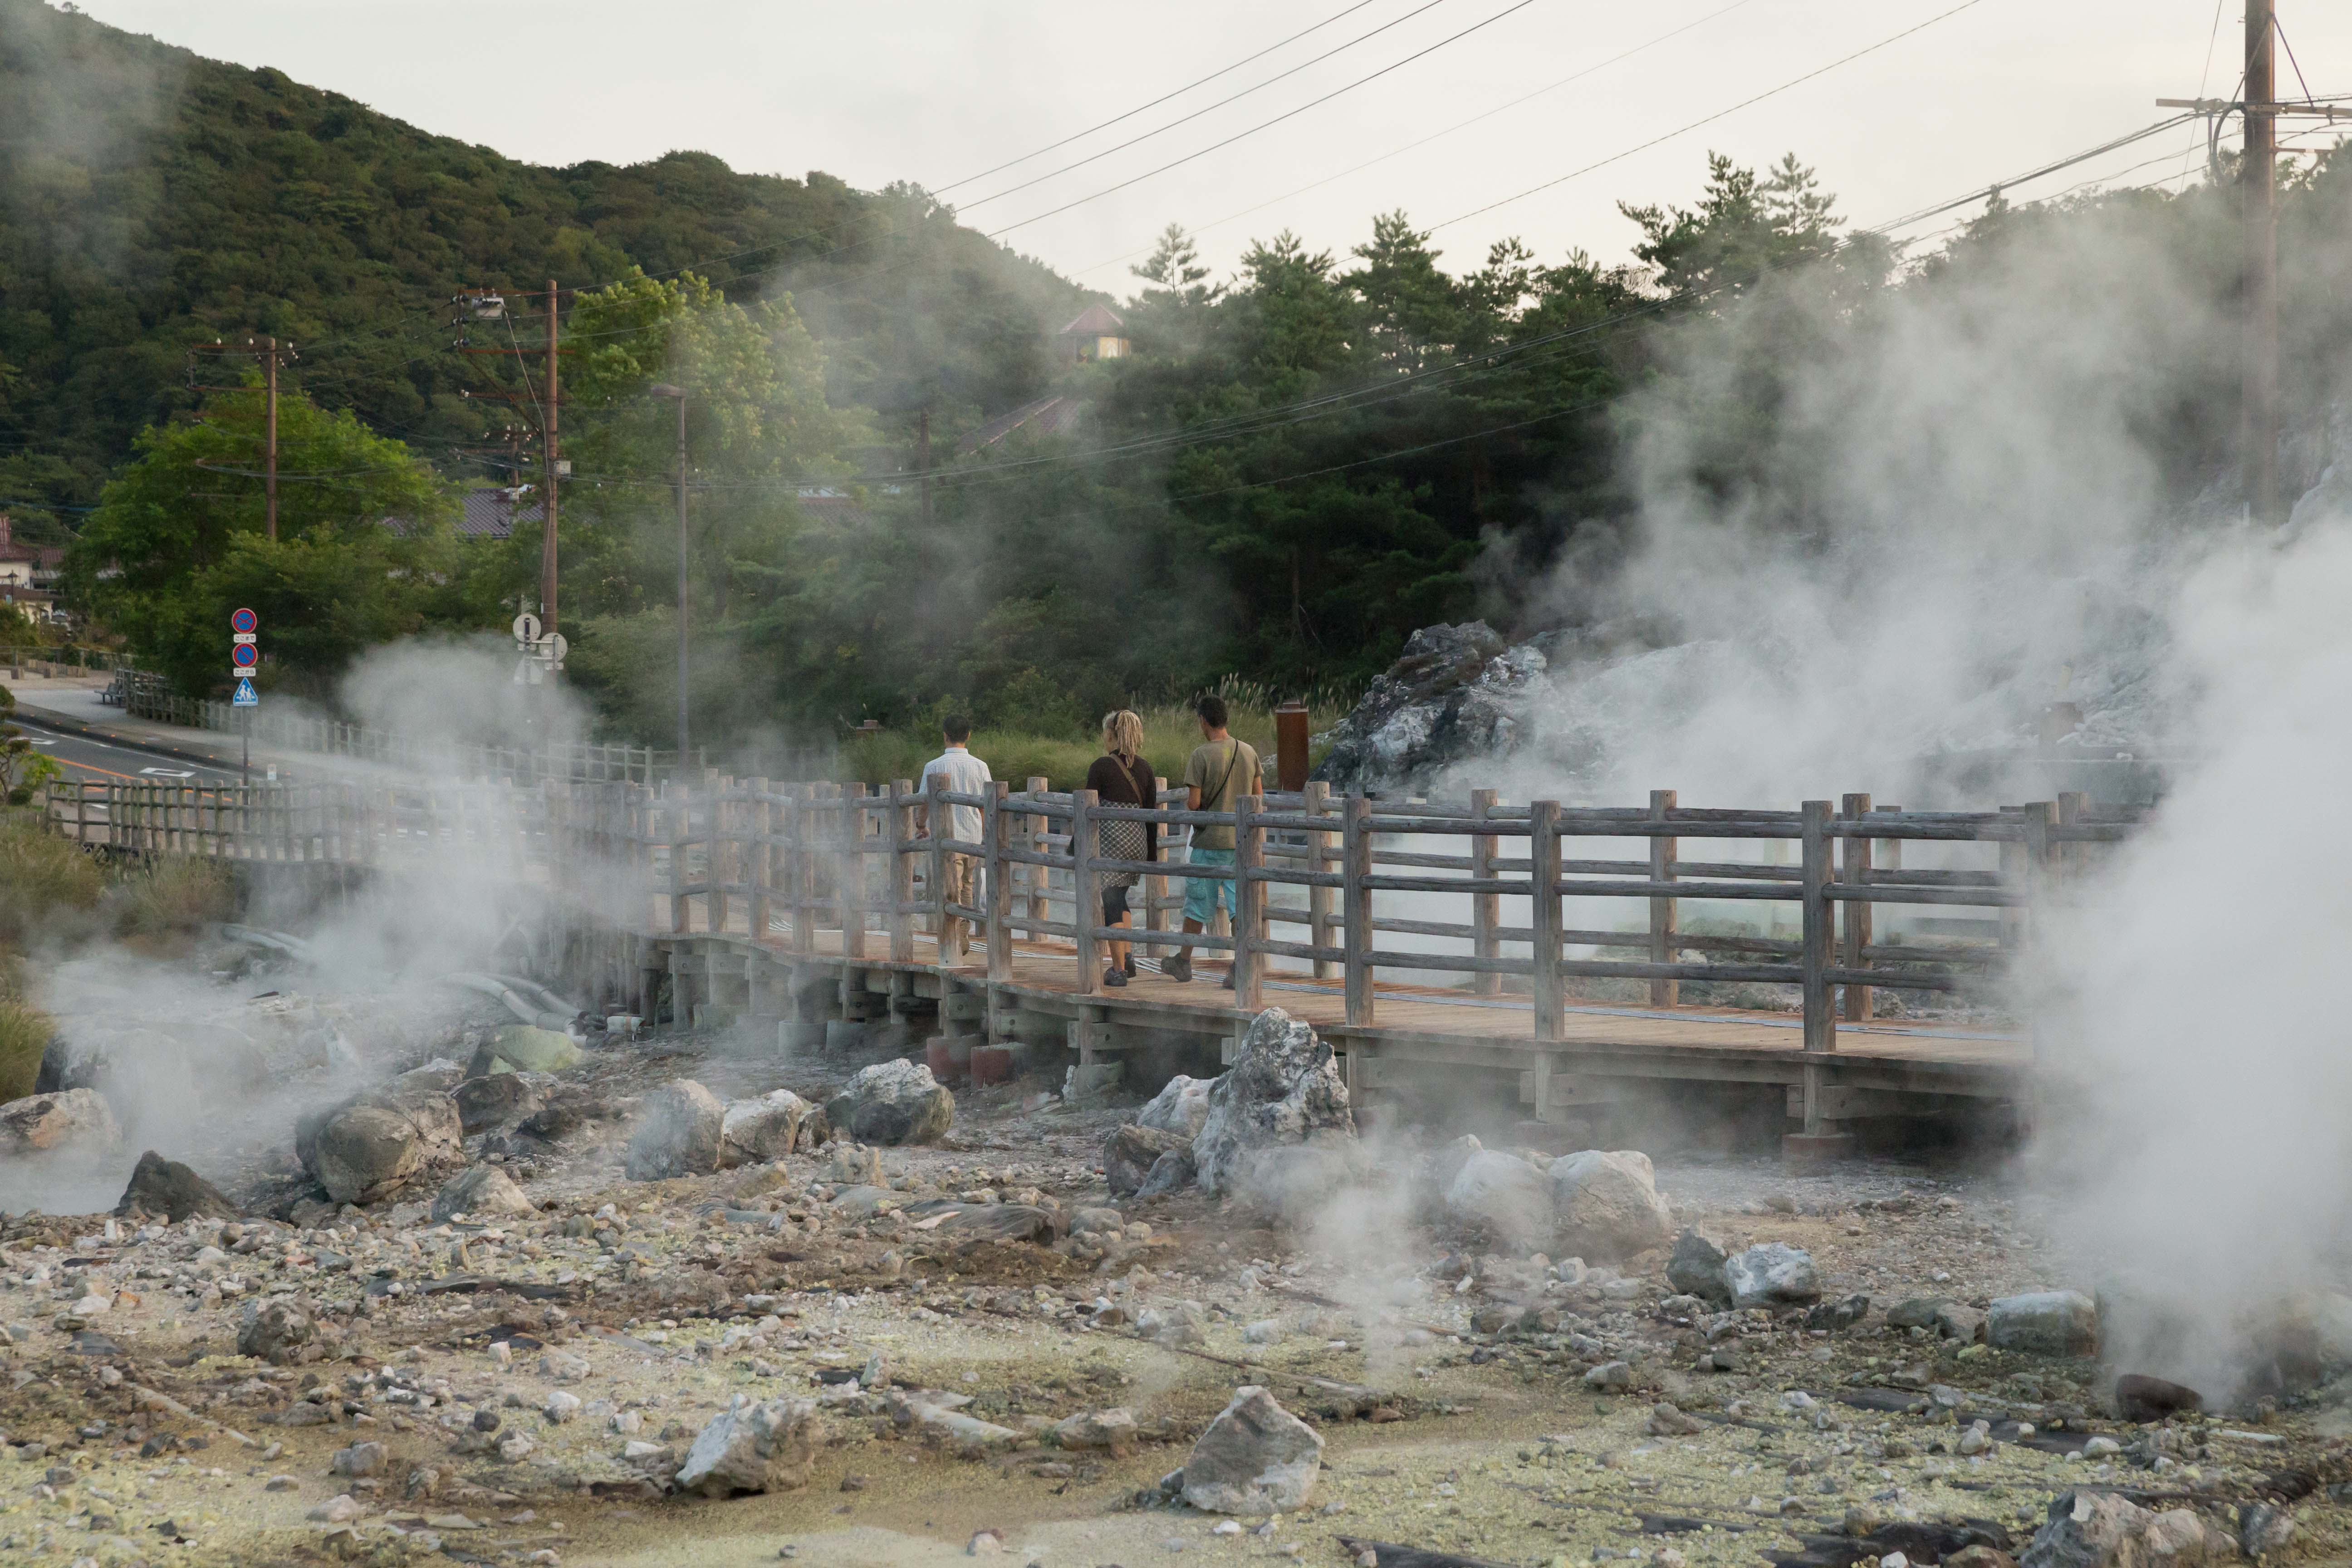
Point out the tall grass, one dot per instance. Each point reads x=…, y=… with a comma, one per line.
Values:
x=172, y=897
x=1018, y=753
x=45, y=881
x=25, y=1032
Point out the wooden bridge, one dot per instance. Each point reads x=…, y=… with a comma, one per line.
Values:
x=1422, y=938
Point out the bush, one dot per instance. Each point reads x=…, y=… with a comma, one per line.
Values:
x=43, y=877
x=169, y=897
x=25, y=1033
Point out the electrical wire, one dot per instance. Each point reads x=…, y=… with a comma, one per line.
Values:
x=1710, y=119
x=1163, y=97
x=1264, y=124
x=1209, y=108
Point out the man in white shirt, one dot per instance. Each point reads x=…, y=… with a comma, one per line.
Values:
x=960, y=773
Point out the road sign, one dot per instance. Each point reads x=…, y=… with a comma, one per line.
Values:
x=243, y=620
x=244, y=655
x=526, y=627
x=245, y=697
x=243, y=637
x=554, y=648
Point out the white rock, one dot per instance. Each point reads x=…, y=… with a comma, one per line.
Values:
x=1606, y=1203
x=1256, y=1458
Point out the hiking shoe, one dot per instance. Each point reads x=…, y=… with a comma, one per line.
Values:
x=1130, y=966
x=1178, y=968
x=1114, y=975
x=1228, y=981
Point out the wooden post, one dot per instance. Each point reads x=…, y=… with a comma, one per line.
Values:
x=901, y=821
x=1155, y=888
x=937, y=823
x=1321, y=921
x=1665, y=910
x=2070, y=860
x=718, y=863
x=1249, y=900
x=1087, y=915
x=760, y=830
x=1486, y=909
x=1040, y=825
x=1855, y=861
x=1356, y=908
x=1543, y=852
x=996, y=826
x=851, y=878
x=802, y=876
x=2041, y=816
x=1821, y=1023
x=677, y=820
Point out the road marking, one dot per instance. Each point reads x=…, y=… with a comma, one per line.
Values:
x=168, y=773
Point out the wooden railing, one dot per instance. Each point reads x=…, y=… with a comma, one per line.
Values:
x=1339, y=876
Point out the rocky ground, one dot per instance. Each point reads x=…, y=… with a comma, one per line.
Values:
x=645, y=1309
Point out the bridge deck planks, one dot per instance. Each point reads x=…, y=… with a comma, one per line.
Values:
x=1416, y=1021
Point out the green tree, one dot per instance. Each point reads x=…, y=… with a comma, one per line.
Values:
x=363, y=552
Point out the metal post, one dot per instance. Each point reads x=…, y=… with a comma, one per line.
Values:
x=269, y=433
x=1543, y=880
x=682, y=656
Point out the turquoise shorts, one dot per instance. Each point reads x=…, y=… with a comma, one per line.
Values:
x=1203, y=894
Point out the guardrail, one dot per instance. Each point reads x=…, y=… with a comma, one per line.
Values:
x=802, y=859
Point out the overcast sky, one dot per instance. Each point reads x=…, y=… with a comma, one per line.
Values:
x=938, y=93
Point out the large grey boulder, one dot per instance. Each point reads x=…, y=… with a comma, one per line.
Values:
x=484, y=1192
x=1284, y=1090
x=762, y=1129
x=679, y=1127
x=754, y=1447
x=891, y=1103
x=166, y=1190
x=497, y=1099
x=2101, y=1530
x=37, y=1123
x=1773, y=1274
x=1256, y=1458
x=1503, y=1195
x=2044, y=1322
x=1607, y=1204
x=1181, y=1107
x=1130, y=1153
x=1696, y=1269
x=1457, y=693
x=369, y=1147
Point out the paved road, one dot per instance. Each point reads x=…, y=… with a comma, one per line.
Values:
x=87, y=759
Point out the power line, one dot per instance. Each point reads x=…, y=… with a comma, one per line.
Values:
x=1288, y=114
x=1435, y=136
x=1710, y=119
x=1208, y=109
x=1163, y=97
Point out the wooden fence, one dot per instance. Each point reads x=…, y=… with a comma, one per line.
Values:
x=787, y=864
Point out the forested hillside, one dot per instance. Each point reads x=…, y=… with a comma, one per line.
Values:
x=1294, y=467
x=150, y=198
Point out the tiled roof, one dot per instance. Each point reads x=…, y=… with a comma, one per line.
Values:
x=1093, y=319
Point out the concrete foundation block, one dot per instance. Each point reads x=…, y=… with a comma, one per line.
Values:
x=1812, y=1151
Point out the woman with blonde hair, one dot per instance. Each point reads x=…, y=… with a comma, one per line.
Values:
x=1121, y=777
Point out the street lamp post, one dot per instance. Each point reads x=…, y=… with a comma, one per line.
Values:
x=663, y=389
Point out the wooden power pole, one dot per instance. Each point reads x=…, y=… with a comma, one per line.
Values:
x=546, y=535
x=269, y=433
x=2258, y=188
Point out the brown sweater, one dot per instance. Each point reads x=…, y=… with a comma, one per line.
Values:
x=1118, y=783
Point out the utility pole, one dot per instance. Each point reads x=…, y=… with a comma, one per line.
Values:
x=272, y=354
x=269, y=433
x=2258, y=422
x=2258, y=188
x=547, y=536
x=923, y=459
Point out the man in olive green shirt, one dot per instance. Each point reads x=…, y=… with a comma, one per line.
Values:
x=1219, y=771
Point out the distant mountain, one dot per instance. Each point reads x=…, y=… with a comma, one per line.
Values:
x=150, y=198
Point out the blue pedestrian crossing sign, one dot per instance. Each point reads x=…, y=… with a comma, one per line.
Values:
x=245, y=697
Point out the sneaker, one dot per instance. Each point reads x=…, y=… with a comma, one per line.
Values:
x=1178, y=968
x=1130, y=966
x=1114, y=975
